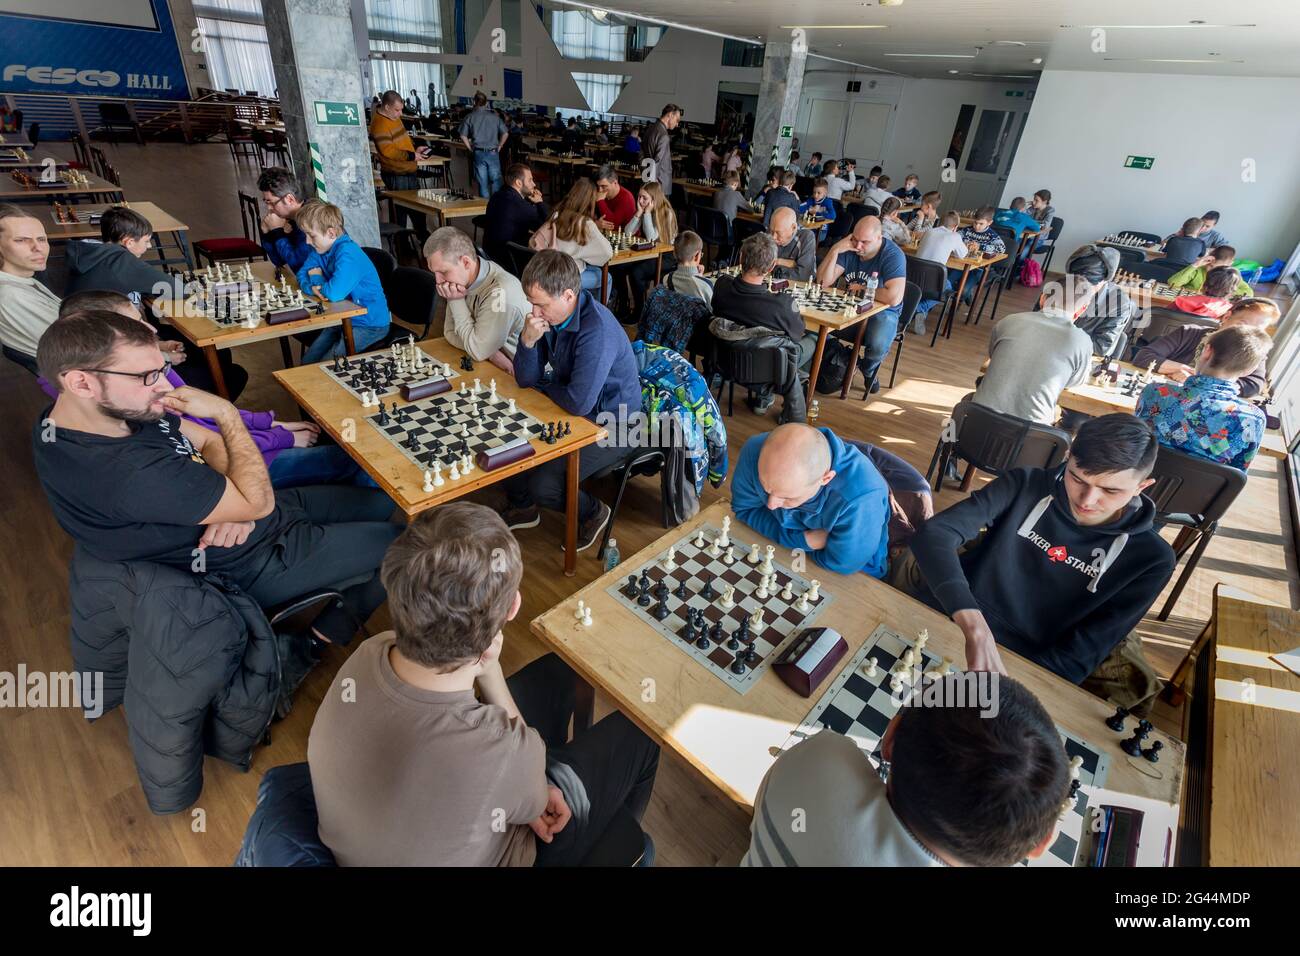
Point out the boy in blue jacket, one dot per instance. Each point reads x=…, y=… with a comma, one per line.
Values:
x=805, y=488
x=819, y=206
x=1016, y=218
x=337, y=269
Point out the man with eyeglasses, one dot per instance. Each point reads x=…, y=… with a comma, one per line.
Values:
x=285, y=244
x=130, y=480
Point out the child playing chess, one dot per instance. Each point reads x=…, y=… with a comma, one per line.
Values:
x=687, y=278
x=465, y=780
x=890, y=224
x=335, y=270
x=1212, y=301
x=654, y=221
x=1192, y=278
x=910, y=192
x=818, y=207
x=940, y=804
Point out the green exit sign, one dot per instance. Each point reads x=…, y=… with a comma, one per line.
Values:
x=787, y=132
x=1015, y=92
x=337, y=114
x=1139, y=162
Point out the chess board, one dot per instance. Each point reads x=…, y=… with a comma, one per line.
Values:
x=437, y=427
x=68, y=215
x=809, y=297
x=861, y=707
x=381, y=368
x=622, y=242
x=230, y=310
x=444, y=195
x=1128, y=242
x=781, y=619
x=1136, y=283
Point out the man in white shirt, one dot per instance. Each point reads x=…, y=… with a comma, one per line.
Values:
x=486, y=306
x=936, y=245
x=27, y=308
x=837, y=183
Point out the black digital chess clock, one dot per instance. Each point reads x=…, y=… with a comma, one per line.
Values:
x=810, y=659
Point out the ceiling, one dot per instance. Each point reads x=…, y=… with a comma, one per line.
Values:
x=1002, y=38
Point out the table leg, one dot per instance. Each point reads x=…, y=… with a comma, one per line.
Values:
x=214, y=366
x=584, y=705
x=659, y=268
x=347, y=337
x=857, y=347
x=1020, y=250
x=185, y=248
x=961, y=287
x=571, y=514
x=974, y=300
x=604, y=283
x=286, y=351
x=816, y=362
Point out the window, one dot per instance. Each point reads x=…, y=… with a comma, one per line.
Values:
x=414, y=26
x=235, y=44
x=991, y=136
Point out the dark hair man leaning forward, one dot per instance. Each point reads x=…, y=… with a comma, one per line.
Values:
x=574, y=351
x=1070, y=561
x=413, y=770
x=130, y=480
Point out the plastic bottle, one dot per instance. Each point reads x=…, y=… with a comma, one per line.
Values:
x=612, y=557
x=872, y=284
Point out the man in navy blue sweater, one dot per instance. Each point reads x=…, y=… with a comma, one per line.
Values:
x=574, y=351
x=513, y=212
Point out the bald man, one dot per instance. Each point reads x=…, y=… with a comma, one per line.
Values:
x=865, y=252
x=805, y=488
x=796, y=249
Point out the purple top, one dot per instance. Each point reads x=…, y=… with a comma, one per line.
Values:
x=269, y=437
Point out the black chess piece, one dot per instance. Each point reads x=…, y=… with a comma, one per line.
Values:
x=738, y=665
x=751, y=655
x=1152, y=753
x=338, y=366
x=742, y=633
x=680, y=591
x=643, y=598
x=732, y=643
x=716, y=633
x=412, y=443
x=568, y=429
x=465, y=364
x=1116, y=721
x=707, y=591
x=630, y=590
x=687, y=633
x=346, y=364
x=383, y=414
x=661, y=590
x=702, y=642
x=1133, y=745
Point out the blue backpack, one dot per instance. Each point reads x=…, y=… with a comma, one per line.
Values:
x=669, y=318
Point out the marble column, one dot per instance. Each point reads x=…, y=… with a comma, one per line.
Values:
x=314, y=53
x=778, y=106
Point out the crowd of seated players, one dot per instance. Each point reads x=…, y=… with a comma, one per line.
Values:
x=175, y=468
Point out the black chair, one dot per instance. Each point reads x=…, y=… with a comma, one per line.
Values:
x=231, y=248
x=1192, y=493
x=114, y=116
x=998, y=274
x=993, y=442
x=98, y=161
x=398, y=239
x=520, y=256
x=1144, y=236
x=932, y=279
x=81, y=151
x=413, y=298
x=639, y=461
x=1156, y=269
x=859, y=209
x=803, y=186
x=384, y=264
x=911, y=298
x=479, y=223
x=841, y=226
x=1049, y=244
x=677, y=198
x=714, y=230
x=742, y=229
x=240, y=141
x=275, y=145
x=1128, y=258
x=751, y=366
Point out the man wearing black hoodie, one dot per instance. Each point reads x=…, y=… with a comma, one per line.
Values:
x=1070, y=561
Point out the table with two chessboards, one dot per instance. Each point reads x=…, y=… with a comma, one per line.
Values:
x=730, y=729
x=397, y=462
x=443, y=204
x=193, y=319
x=823, y=311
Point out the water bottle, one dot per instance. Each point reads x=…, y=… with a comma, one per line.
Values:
x=872, y=284
x=612, y=557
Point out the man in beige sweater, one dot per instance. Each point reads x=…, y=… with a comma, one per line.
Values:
x=27, y=307
x=486, y=306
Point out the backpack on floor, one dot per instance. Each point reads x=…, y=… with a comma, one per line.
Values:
x=837, y=362
x=1031, y=273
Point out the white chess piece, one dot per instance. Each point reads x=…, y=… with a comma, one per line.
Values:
x=699, y=537
x=730, y=556
x=922, y=639
x=753, y=554
x=492, y=390
x=762, y=592
x=670, y=562
x=786, y=593
x=438, y=480
x=586, y=617
x=895, y=683
x=428, y=480
x=510, y=406
x=947, y=665
x=466, y=464
x=814, y=590
x=1076, y=764
x=446, y=370
x=802, y=604
x=872, y=667
x=728, y=598
x=714, y=549
x=455, y=472
x=724, y=539
x=768, y=553
x=582, y=609
x=756, y=621
x=909, y=657
x=464, y=430
x=477, y=387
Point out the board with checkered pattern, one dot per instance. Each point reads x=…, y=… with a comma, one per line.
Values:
x=439, y=426
x=228, y=310
x=382, y=369
x=810, y=297
x=781, y=618
x=861, y=707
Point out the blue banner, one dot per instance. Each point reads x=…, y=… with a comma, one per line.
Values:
x=72, y=47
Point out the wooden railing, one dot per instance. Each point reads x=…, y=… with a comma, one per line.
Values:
x=177, y=120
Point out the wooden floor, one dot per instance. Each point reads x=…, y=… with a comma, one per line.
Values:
x=69, y=788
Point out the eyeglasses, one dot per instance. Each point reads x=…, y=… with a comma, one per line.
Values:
x=148, y=378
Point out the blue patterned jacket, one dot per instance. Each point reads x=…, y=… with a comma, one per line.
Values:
x=1204, y=416
x=671, y=385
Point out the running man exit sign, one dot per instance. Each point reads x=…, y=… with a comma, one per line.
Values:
x=1139, y=162
x=337, y=114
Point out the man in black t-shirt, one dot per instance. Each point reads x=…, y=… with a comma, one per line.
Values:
x=743, y=304
x=130, y=480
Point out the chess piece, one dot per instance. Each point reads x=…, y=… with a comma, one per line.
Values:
x=661, y=609
x=492, y=390
x=383, y=415
x=466, y=464
x=762, y=593
x=669, y=563
x=753, y=554
x=787, y=594
x=714, y=549
x=680, y=592
x=643, y=590
x=802, y=604
x=738, y=665
x=895, y=683
x=872, y=667
x=455, y=471
x=730, y=556
x=582, y=607
x=428, y=481
x=586, y=618
x=699, y=538
x=1153, y=752
x=728, y=598
x=1116, y=720
x=1076, y=764
x=707, y=591
x=438, y=480
x=366, y=401
x=629, y=590
x=909, y=657
x=510, y=406
x=766, y=566
x=814, y=590
x=1133, y=746
x=477, y=387
x=921, y=640
x=756, y=619
x=724, y=539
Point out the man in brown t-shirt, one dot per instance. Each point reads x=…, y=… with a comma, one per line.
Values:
x=409, y=768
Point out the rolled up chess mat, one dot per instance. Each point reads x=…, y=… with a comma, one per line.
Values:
x=280, y=316
x=507, y=454
x=430, y=386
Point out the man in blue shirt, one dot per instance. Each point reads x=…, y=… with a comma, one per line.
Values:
x=285, y=244
x=573, y=350
x=805, y=488
x=861, y=254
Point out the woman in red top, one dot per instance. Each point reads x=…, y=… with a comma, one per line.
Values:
x=1213, y=300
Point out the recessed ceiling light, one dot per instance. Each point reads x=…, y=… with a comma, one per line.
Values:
x=1144, y=59
x=834, y=26
x=1037, y=60
x=940, y=56
x=1008, y=42
x=1194, y=25
x=954, y=71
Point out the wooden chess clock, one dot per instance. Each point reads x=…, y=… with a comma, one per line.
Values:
x=810, y=659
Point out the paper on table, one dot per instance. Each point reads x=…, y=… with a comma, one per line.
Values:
x=1288, y=659
x=1157, y=845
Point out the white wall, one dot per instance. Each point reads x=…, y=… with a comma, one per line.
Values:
x=1083, y=125
x=920, y=127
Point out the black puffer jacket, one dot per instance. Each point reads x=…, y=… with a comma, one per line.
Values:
x=193, y=658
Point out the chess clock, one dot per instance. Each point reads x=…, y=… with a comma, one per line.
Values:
x=810, y=659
